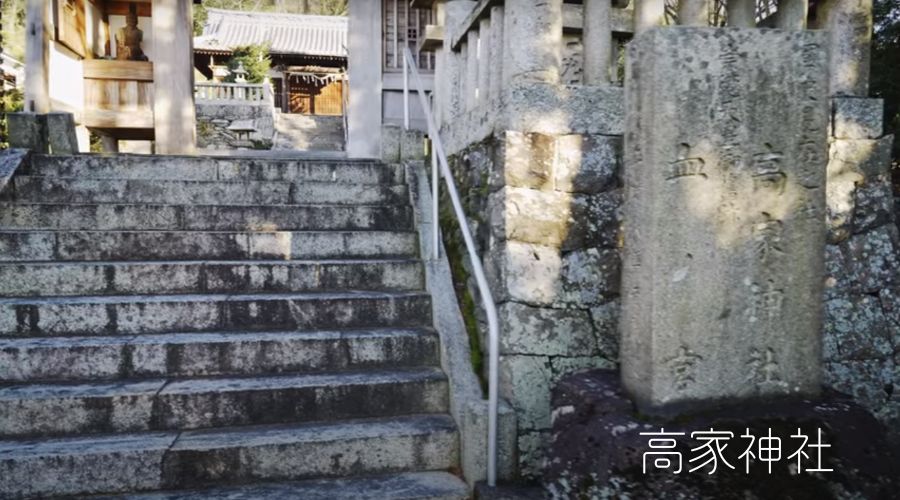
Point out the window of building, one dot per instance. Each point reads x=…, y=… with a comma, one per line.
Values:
x=403, y=26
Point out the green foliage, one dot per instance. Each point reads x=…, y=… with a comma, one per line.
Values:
x=10, y=102
x=12, y=28
x=256, y=61
x=885, y=82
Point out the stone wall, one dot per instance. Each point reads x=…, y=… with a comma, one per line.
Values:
x=862, y=297
x=544, y=211
x=215, y=117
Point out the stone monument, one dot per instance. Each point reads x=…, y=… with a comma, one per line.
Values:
x=129, y=38
x=725, y=161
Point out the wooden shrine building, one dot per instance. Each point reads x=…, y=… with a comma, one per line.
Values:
x=309, y=55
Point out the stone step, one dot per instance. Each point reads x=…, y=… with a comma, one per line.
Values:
x=177, y=192
x=141, y=314
x=191, y=459
x=160, y=404
x=213, y=354
x=216, y=169
x=19, y=246
x=107, y=216
x=406, y=486
x=190, y=277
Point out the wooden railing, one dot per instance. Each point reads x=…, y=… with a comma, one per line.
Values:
x=119, y=95
x=234, y=93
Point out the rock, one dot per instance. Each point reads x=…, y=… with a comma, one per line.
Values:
x=544, y=331
x=855, y=329
x=554, y=218
x=61, y=133
x=723, y=260
x=606, y=324
x=872, y=260
x=587, y=163
x=11, y=160
x=596, y=450
x=526, y=381
x=867, y=157
x=527, y=161
x=858, y=117
x=28, y=131
x=874, y=205
x=543, y=276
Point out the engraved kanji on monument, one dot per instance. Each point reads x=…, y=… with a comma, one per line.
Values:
x=725, y=156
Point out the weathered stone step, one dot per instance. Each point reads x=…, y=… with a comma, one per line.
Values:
x=212, y=354
x=407, y=486
x=140, y=314
x=187, y=277
x=170, y=460
x=75, y=190
x=106, y=217
x=216, y=169
x=18, y=246
x=148, y=405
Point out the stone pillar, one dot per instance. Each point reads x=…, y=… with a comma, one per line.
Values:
x=471, y=77
x=484, y=61
x=597, y=41
x=364, y=68
x=37, y=56
x=849, y=24
x=792, y=14
x=693, y=12
x=647, y=14
x=496, y=51
x=728, y=306
x=173, y=76
x=741, y=13
x=534, y=31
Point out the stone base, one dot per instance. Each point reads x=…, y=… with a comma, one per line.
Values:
x=597, y=451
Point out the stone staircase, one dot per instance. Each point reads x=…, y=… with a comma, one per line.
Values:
x=217, y=328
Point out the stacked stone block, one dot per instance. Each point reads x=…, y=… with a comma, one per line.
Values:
x=545, y=209
x=862, y=287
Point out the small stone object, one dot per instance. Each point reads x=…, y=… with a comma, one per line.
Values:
x=725, y=162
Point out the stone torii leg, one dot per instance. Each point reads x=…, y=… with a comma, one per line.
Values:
x=647, y=14
x=741, y=13
x=693, y=12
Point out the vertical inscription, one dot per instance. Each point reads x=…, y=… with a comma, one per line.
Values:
x=683, y=367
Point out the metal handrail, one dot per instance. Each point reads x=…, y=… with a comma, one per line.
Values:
x=438, y=157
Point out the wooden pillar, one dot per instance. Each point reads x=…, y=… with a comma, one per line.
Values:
x=792, y=14
x=37, y=56
x=741, y=13
x=173, y=77
x=597, y=41
x=647, y=14
x=693, y=12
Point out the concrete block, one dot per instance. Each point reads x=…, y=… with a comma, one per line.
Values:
x=61, y=134
x=28, y=131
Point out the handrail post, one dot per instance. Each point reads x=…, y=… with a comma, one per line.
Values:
x=405, y=93
x=435, y=227
x=490, y=307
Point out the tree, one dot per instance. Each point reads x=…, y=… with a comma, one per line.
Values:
x=256, y=61
x=885, y=76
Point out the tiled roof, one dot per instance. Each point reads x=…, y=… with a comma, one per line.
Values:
x=285, y=33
